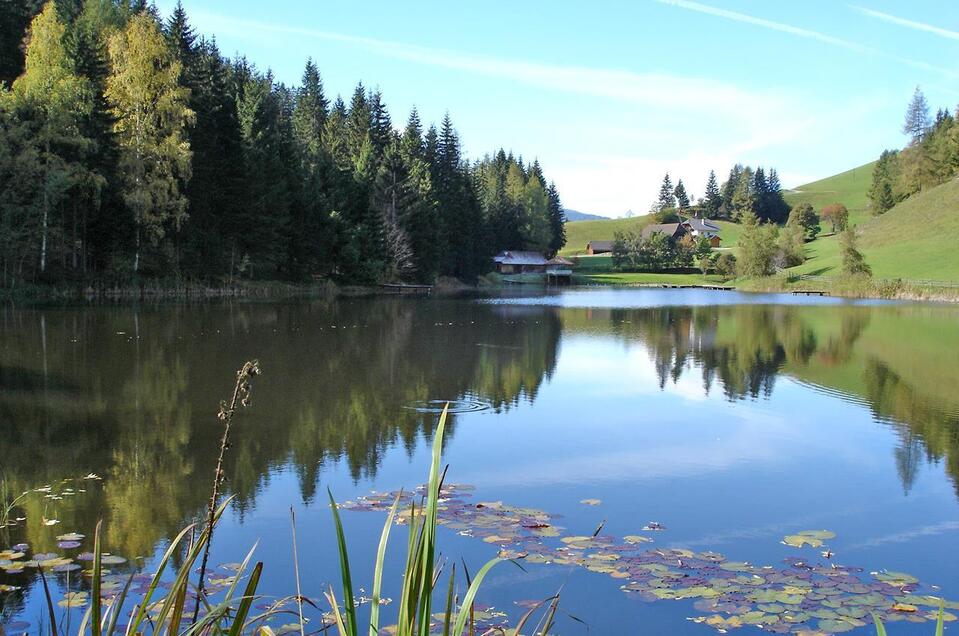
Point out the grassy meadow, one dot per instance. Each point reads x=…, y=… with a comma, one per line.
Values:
x=914, y=241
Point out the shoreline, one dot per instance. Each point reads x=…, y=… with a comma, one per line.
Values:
x=862, y=289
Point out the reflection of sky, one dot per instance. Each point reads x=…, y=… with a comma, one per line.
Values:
x=637, y=298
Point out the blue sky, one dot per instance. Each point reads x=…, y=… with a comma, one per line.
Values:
x=611, y=95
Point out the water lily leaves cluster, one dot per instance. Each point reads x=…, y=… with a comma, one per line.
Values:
x=812, y=538
x=800, y=598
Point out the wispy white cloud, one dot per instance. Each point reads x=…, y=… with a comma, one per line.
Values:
x=816, y=35
x=762, y=22
x=911, y=24
x=655, y=89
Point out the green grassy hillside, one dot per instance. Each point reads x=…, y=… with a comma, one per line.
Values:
x=579, y=233
x=849, y=188
x=914, y=240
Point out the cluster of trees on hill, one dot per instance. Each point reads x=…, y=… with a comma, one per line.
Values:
x=129, y=146
x=930, y=158
x=658, y=252
x=746, y=190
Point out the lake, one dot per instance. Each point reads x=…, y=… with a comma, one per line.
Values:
x=720, y=422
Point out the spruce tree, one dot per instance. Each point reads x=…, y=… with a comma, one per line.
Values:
x=557, y=220
x=358, y=121
x=729, y=189
x=853, y=262
x=667, y=196
x=310, y=111
x=713, y=200
x=682, y=199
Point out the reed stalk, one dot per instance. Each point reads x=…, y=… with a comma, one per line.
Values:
x=241, y=397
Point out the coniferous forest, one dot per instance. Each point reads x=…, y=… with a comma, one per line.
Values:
x=131, y=148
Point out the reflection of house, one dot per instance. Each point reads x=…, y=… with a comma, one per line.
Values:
x=703, y=227
x=599, y=247
x=519, y=262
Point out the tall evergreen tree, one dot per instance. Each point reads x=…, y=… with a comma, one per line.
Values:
x=667, y=196
x=310, y=111
x=682, y=199
x=557, y=220
x=728, y=191
x=713, y=200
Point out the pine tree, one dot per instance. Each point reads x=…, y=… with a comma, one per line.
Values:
x=713, y=200
x=358, y=121
x=381, y=127
x=728, y=208
x=744, y=197
x=412, y=140
x=310, y=112
x=682, y=199
x=880, y=192
x=667, y=196
x=853, y=262
x=151, y=114
x=557, y=220
x=916, y=124
x=180, y=35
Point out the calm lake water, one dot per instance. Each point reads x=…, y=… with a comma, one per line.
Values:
x=732, y=420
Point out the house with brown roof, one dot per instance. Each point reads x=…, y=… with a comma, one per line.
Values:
x=599, y=247
x=703, y=227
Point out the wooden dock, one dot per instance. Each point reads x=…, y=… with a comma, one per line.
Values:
x=809, y=292
x=401, y=288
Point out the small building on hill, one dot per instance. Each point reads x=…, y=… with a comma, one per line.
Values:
x=599, y=247
x=672, y=231
x=520, y=262
x=703, y=227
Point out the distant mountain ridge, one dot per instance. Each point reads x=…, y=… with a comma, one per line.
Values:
x=576, y=215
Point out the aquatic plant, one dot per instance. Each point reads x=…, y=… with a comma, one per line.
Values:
x=940, y=627
x=422, y=570
x=241, y=397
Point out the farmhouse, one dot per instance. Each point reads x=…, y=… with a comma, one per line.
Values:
x=673, y=231
x=599, y=247
x=703, y=227
x=520, y=262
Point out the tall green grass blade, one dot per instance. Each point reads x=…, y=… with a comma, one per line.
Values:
x=244, y=609
x=96, y=617
x=182, y=579
x=939, y=622
x=428, y=555
x=880, y=628
x=349, y=607
x=448, y=614
x=116, y=606
x=378, y=568
x=340, y=627
x=463, y=614
x=49, y=600
x=296, y=572
x=141, y=612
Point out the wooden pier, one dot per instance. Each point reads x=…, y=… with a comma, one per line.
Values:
x=809, y=292
x=401, y=288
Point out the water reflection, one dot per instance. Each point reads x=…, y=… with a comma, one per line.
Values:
x=131, y=393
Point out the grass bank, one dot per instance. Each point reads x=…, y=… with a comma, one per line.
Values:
x=852, y=287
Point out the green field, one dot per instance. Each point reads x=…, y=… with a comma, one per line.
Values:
x=579, y=233
x=914, y=240
x=849, y=188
